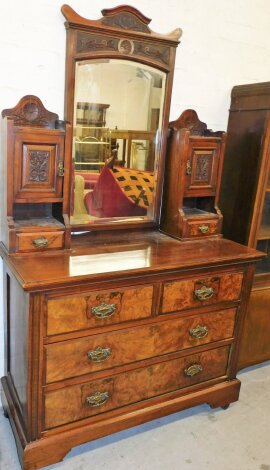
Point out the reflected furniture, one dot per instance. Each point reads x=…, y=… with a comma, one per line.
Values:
x=245, y=203
x=192, y=179
x=126, y=324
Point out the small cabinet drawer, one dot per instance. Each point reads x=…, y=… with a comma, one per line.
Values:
x=81, y=356
x=39, y=241
x=99, y=308
x=77, y=402
x=189, y=293
x=202, y=228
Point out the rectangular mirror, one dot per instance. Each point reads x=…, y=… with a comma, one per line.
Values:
x=116, y=140
x=118, y=87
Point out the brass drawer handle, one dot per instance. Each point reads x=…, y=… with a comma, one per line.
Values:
x=204, y=293
x=188, y=168
x=193, y=370
x=204, y=228
x=104, y=310
x=199, y=332
x=100, y=398
x=99, y=354
x=41, y=242
x=61, y=168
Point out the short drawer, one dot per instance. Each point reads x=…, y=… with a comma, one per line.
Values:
x=205, y=290
x=99, y=308
x=202, y=228
x=39, y=241
x=85, y=355
x=77, y=402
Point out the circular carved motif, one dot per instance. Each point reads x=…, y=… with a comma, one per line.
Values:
x=30, y=111
x=125, y=46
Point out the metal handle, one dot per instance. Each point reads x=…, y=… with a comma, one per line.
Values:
x=199, y=332
x=188, y=168
x=204, y=228
x=99, y=354
x=103, y=310
x=41, y=242
x=100, y=398
x=192, y=370
x=60, y=168
x=204, y=293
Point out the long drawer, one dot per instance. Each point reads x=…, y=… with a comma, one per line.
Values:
x=77, y=402
x=81, y=356
x=204, y=290
x=98, y=308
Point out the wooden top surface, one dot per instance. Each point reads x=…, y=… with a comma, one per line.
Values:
x=119, y=255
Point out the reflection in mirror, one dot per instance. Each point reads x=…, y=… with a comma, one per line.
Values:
x=117, y=119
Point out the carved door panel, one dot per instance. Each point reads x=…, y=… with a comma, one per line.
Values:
x=201, y=169
x=38, y=170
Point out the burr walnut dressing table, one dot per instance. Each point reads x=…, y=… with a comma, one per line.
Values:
x=108, y=322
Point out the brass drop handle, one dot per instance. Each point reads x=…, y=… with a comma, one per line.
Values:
x=99, y=354
x=103, y=310
x=61, y=168
x=188, y=168
x=192, y=370
x=40, y=242
x=100, y=398
x=204, y=228
x=199, y=332
x=204, y=293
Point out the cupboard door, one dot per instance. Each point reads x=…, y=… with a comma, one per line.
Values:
x=201, y=169
x=38, y=172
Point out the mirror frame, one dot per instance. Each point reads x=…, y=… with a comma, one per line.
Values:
x=122, y=33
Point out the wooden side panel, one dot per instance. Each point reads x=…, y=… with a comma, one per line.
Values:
x=70, y=404
x=181, y=295
x=71, y=358
x=255, y=342
x=76, y=313
x=17, y=354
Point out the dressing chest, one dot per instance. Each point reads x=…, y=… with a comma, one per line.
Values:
x=112, y=323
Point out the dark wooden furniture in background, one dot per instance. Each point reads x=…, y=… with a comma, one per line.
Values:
x=35, y=215
x=192, y=179
x=129, y=325
x=245, y=203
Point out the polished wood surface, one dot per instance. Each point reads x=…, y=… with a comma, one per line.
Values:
x=244, y=191
x=69, y=359
x=69, y=404
x=192, y=179
x=37, y=175
x=181, y=295
x=129, y=304
x=140, y=252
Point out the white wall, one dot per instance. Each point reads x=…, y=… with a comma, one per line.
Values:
x=224, y=43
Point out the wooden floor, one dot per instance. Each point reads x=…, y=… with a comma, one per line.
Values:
x=199, y=438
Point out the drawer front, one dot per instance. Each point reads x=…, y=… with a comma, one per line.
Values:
x=42, y=241
x=81, y=356
x=202, y=229
x=81, y=401
x=190, y=293
x=98, y=309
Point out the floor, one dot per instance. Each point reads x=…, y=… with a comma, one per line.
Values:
x=197, y=439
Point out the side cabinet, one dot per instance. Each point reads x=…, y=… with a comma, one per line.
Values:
x=245, y=204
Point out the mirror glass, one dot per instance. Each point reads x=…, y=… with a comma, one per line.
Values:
x=118, y=107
